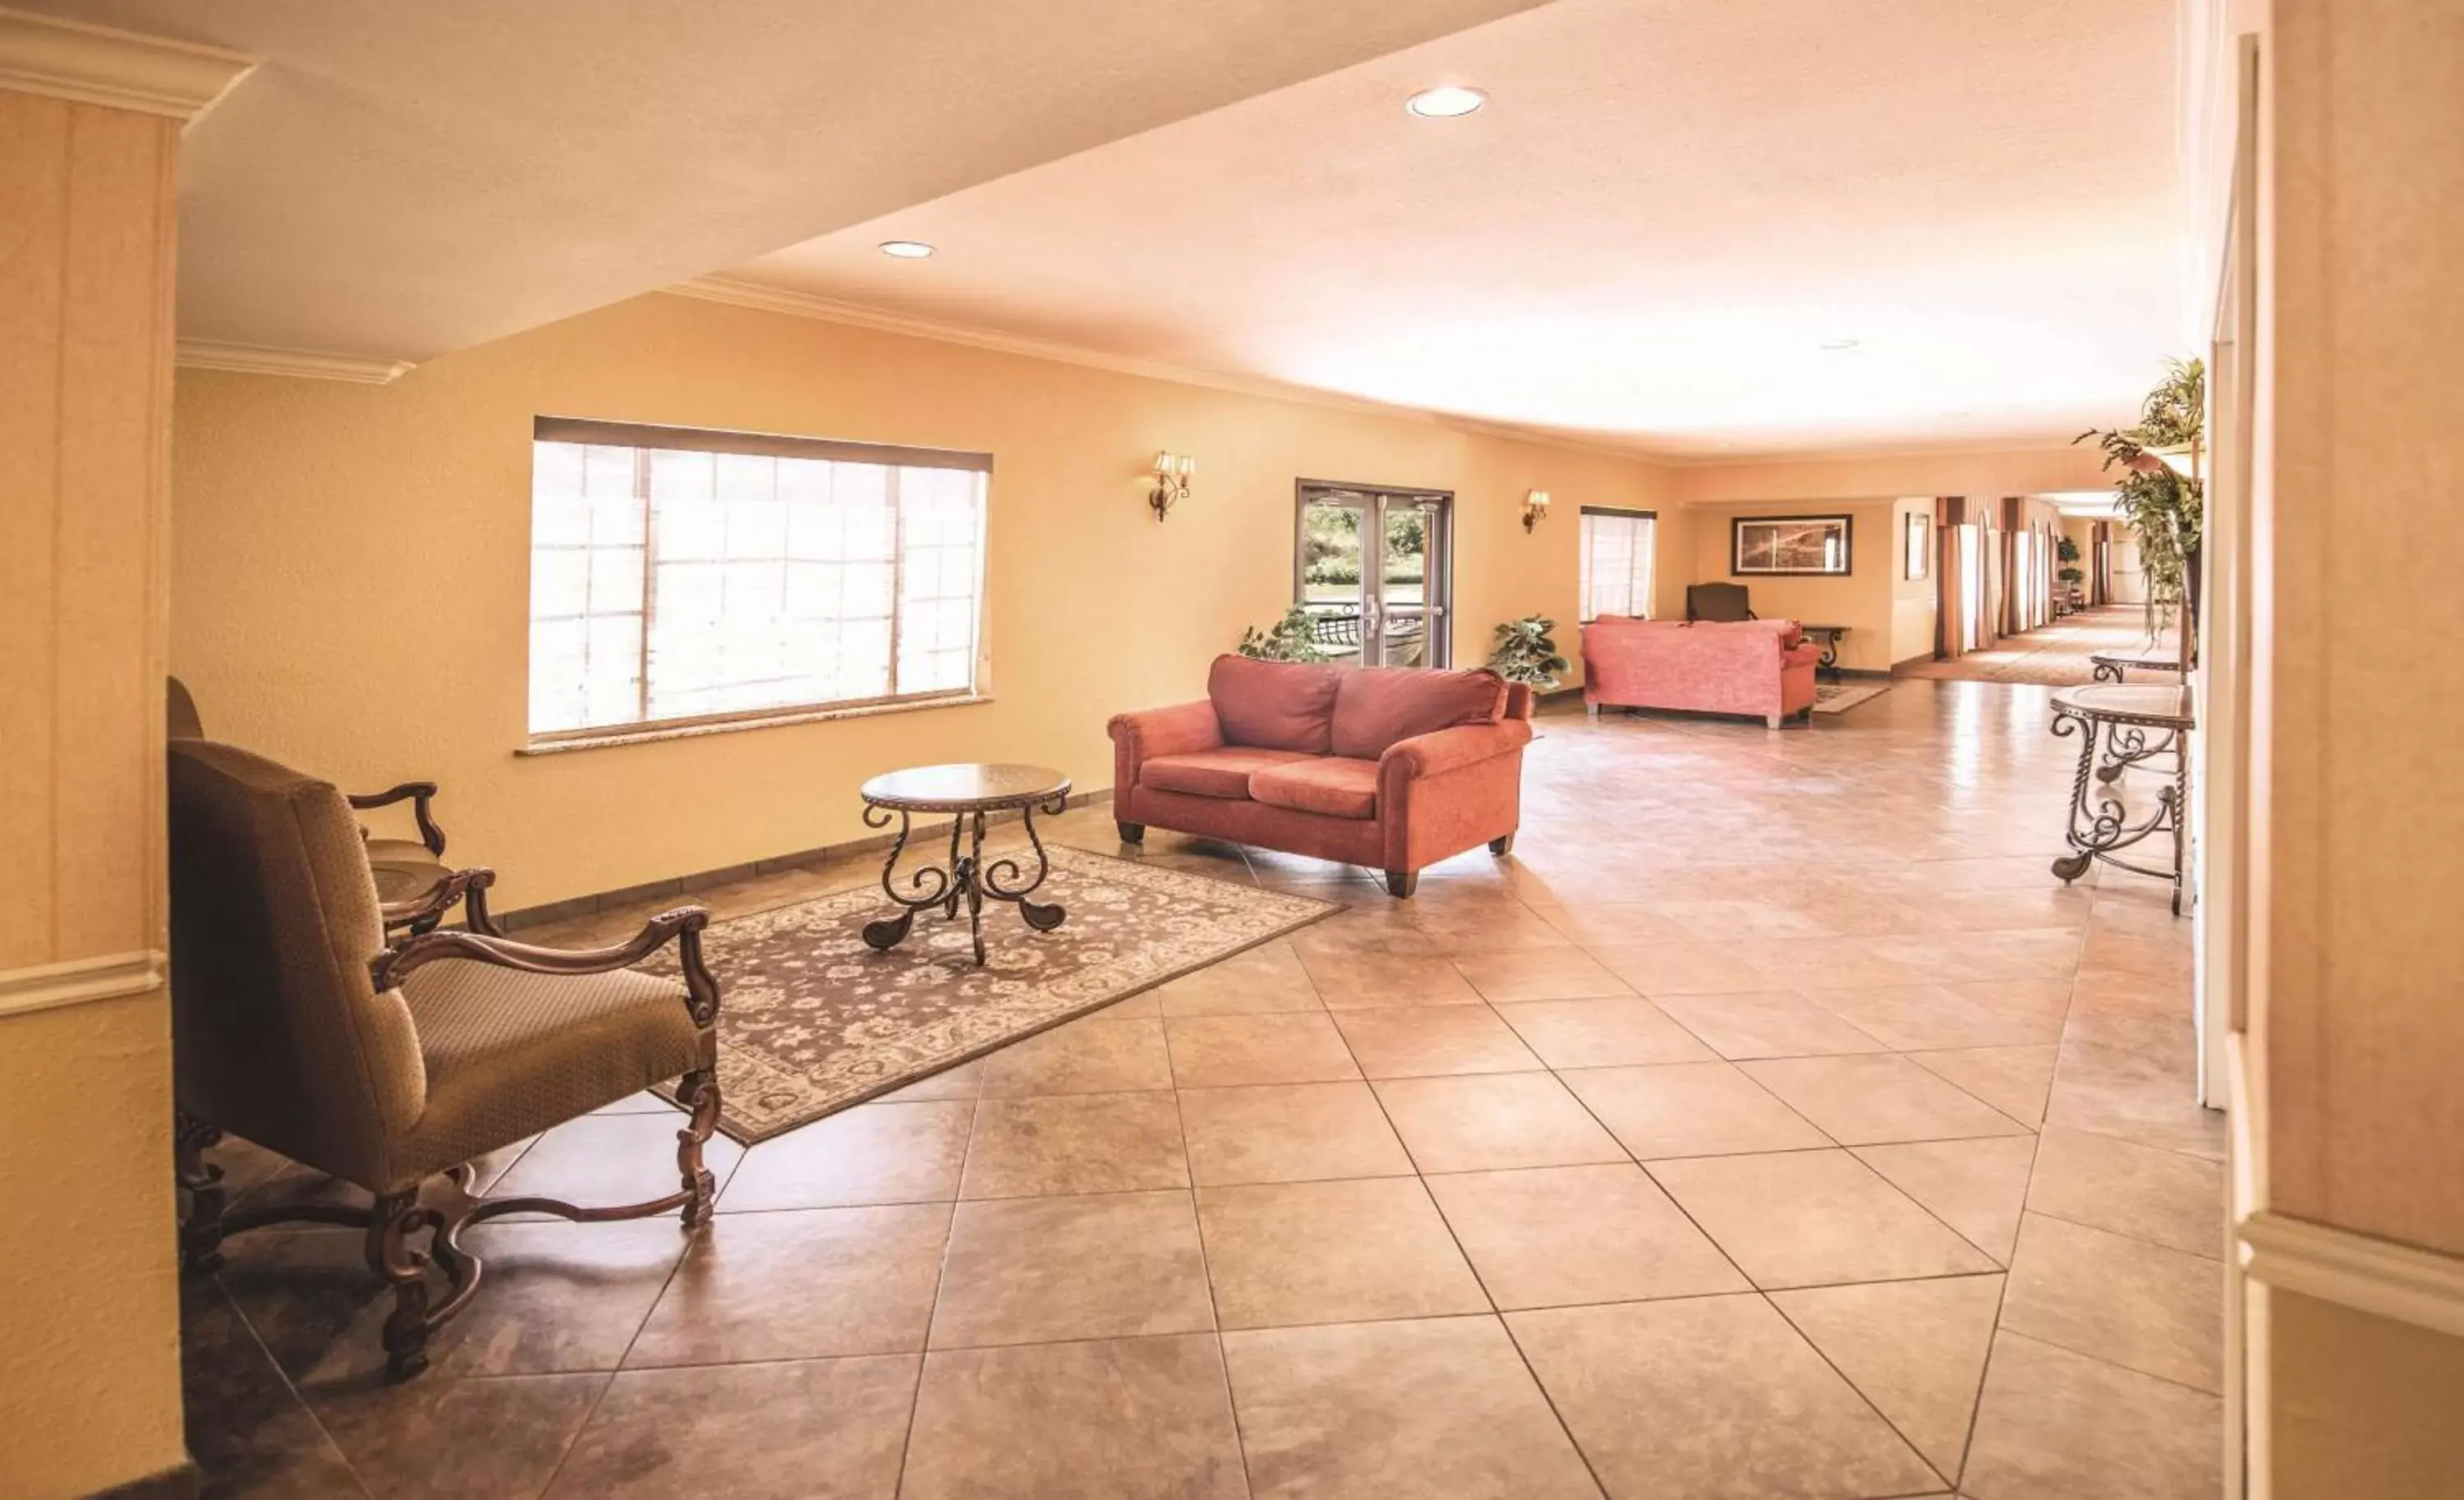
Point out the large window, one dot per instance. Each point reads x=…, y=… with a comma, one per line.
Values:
x=682, y=577
x=1617, y=562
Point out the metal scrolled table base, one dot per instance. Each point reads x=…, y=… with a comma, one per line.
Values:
x=967, y=878
x=2098, y=827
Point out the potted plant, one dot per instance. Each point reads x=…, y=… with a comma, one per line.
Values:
x=1291, y=638
x=2164, y=507
x=1525, y=653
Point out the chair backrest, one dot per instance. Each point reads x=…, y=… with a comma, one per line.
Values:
x=277, y=1031
x=180, y=721
x=1717, y=602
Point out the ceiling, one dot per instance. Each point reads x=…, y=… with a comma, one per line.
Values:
x=1645, y=240
x=399, y=178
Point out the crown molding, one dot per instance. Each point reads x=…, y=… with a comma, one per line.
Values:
x=80, y=982
x=805, y=304
x=2395, y=1280
x=116, y=70
x=247, y=358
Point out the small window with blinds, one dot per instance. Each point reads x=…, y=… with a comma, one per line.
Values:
x=683, y=578
x=1617, y=562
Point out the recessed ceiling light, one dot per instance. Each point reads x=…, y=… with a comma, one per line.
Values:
x=1841, y=343
x=1445, y=101
x=906, y=248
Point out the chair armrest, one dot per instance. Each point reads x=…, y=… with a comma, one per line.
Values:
x=1176, y=730
x=419, y=794
x=682, y=927
x=1443, y=750
x=458, y=885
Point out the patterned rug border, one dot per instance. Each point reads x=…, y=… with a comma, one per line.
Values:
x=744, y=1136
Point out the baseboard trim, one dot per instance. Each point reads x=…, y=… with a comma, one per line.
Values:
x=2395, y=1280
x=80, y=982
x=573, y=907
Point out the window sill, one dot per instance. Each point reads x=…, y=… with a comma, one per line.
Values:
x=652, y=733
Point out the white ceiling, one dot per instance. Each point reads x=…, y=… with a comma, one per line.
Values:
x=403, y=177
x=1666, y=209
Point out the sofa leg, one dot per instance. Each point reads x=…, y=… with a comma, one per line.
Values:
x=1402, y=883
x=1775, y=720
x=1132, y=832
x=1501, y=848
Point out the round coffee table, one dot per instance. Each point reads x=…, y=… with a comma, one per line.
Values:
x=970, y=790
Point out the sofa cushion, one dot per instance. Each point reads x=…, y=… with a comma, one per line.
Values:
x=1211, y=773
x=1273, y=705
x=1375, y=706
x=1330, y=786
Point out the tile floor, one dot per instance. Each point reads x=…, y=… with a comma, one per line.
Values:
x=1771, y=1124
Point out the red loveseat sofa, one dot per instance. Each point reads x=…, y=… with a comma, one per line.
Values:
x=1762, y=667
x=1393, y=768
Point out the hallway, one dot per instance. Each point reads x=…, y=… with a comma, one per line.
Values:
x=2053, y=655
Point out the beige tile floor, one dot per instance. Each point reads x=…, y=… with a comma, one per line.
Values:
x=1770, y=1124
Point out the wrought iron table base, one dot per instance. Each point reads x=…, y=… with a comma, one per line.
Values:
x=2097, y=832
x=966, y=881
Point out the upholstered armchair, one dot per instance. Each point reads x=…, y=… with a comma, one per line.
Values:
x=414, y=885
x=1718, y=601
x=295, y=1025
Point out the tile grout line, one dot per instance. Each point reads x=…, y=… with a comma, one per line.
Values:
x=1455, y=1238
x=692, y=1242
x=933, y=1309
x=288, y=1386
x=1206, y=1274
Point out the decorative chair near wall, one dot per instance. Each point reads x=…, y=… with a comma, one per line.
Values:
x=1722, y=601
x=295, y=1026
x=415, y=887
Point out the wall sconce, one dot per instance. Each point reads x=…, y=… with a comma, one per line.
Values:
x=1535, y=509
x=1172, y=472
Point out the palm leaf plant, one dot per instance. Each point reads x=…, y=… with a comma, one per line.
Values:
x=2164, y=509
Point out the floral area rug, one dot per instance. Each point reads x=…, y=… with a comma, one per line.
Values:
x=811, y=1020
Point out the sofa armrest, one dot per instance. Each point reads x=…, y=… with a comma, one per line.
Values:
x=1443, y=750
x=1804, y=653
x=1140, y=736
x=1177, y=730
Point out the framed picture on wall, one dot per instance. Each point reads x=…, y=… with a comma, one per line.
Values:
x=1763, y=546
x=1919, y=547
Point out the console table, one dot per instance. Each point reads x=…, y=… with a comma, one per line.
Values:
x=2116, y=666
x=2113, y=724
x=1829, y=635
x=970, y=790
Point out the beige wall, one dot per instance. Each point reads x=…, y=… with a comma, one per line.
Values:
x=1914, y=601
x=2365, y=1030
x=350, y=588
x=89, y=1366
x=1862, y=600
x=2359, y=817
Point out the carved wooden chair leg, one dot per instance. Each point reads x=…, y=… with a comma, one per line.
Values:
x=698, y=1091
x=200, y=1225
x=391, y=1223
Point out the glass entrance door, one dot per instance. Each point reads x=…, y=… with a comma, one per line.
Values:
x=1373, y=568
